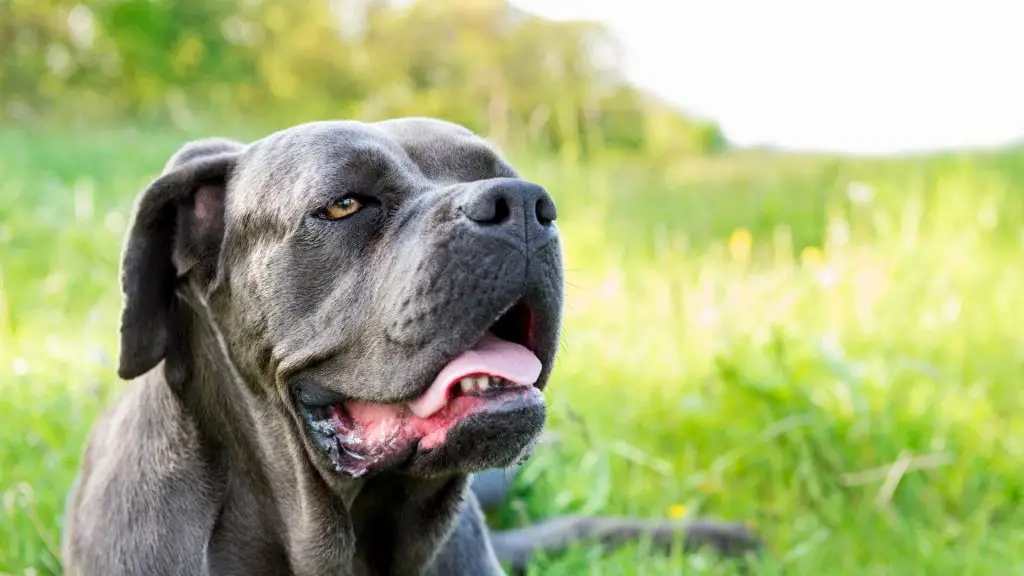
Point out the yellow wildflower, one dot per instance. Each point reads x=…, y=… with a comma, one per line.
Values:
x=739, y=244
x=811, y=256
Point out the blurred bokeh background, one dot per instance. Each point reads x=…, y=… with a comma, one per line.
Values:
x=794, y=294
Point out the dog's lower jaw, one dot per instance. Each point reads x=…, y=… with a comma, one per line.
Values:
x=470, y=434
x=495, y=438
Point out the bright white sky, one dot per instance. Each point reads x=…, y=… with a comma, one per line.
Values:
x=860, y=76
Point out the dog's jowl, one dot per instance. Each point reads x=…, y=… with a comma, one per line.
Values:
x=326, y=332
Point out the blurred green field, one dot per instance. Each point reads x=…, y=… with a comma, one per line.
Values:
x=830, y=349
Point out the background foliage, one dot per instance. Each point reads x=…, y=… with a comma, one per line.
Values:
x=828, y=347
x=551, y=84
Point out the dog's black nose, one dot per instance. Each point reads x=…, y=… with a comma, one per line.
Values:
x=520, y=211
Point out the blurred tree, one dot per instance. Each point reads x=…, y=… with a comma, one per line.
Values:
x=521, y=79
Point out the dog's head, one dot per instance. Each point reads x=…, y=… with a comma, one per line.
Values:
x=393, y=289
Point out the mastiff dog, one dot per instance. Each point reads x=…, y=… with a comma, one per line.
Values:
x=326, y=333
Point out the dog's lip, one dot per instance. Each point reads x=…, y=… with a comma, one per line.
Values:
x=495, y=401
x=359, y=448
x=314, y=397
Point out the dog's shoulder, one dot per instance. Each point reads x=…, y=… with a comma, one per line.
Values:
x=142, y=484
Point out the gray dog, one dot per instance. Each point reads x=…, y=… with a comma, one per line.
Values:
x=327, y=331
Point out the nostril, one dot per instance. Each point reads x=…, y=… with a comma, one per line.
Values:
x=501, y=211
x=489, y=210
x=545, y=208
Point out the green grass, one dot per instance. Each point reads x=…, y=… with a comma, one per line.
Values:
x=748, y=337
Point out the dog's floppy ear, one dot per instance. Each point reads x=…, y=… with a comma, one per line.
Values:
x=176, y=231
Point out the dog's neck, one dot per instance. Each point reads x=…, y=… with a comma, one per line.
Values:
x=254, y=446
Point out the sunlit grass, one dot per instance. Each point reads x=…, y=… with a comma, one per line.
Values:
x=827, y=349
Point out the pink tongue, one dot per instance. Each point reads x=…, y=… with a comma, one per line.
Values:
x=493, y=357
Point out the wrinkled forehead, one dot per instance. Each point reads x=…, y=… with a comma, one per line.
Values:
x=444, y=152
x=317, y=162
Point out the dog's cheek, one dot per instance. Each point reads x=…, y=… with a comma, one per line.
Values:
x=454, y=284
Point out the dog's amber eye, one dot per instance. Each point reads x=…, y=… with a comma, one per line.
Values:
x=342, y=208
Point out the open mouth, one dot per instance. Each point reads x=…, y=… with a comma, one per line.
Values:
x=501, y=368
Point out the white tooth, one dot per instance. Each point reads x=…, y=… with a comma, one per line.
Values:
x=482, y=384
x=467, y=384
x=495, y=381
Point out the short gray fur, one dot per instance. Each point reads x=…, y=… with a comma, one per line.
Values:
x=237, y=301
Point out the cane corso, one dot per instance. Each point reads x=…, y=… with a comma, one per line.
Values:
x=326, y=332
